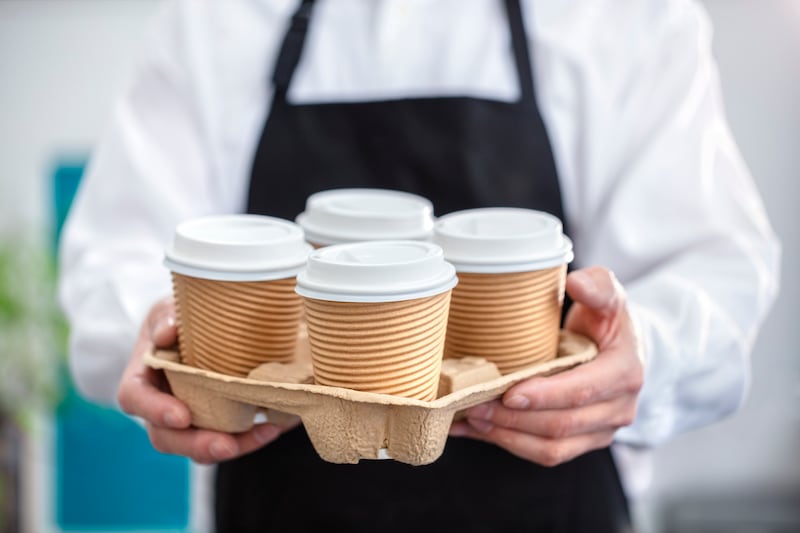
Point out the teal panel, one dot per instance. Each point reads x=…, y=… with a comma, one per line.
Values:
x=108, y=477
x=66, y=179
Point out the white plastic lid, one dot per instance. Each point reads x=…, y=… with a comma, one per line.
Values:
x=502, y=239
x=353, y=215
x=376, y=271
x=237, y=248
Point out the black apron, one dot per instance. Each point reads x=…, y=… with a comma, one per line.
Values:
x=460, y=153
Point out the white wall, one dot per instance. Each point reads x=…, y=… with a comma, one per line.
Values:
x=62, y=61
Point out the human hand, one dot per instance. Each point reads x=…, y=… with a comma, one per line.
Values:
x=551, y=420
x=144, y=392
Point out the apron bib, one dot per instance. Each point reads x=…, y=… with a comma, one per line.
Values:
x=459, y=152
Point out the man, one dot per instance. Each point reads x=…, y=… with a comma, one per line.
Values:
x=606, y=114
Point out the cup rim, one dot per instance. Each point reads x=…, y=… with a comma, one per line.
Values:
x=231, y=275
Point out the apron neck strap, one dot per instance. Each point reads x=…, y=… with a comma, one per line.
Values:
x=519, y=42
x=292, y=48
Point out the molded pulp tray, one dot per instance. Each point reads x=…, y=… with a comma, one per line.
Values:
x=346, y=425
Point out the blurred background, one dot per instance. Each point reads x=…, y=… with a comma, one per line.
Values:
x=66, y=465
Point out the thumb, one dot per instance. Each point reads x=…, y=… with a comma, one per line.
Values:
x=161, y=323
x=597, y=289
x=599, y=304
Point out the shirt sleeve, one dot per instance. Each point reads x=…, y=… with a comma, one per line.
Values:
x=674, y=212
x=150, y=171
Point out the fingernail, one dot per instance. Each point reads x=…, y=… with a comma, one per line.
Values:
x=481, y=425
x=585, y=280
x=480, y=412
x=222, y=450
x=165, y=323
x=266, y=433
x=160, y=325
x=173, y=419
x=517, y=402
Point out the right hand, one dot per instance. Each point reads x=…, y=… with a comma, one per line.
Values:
x=144, y=392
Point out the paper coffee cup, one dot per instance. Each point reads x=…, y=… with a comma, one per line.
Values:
x=511, y=267
x=339, y=216
x=377, y=315
x=234, y=280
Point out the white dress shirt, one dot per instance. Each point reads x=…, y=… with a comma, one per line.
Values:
x=653, y=184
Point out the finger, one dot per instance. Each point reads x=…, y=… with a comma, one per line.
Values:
x=139, y=395
x=161, y=323
x=200, y=445
x=460, y=429
x=205, y=446
x=556, y=423
x=540, y=450
x=614, y=372
x=597, y=288
x=259, y=436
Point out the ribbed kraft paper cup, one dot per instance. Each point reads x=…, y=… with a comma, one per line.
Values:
x=217, y=334
x=377, y=316
x=511, y=267
x=366, y=359
x=512, y=335
x=234, y=287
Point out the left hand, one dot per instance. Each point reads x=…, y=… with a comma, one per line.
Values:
x=551, y=420
x=144, y=392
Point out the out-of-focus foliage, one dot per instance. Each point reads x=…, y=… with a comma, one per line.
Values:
x=32, y=330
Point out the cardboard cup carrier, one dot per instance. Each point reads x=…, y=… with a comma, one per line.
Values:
x=511, y=266
x=345, y=425
x=340, y=216
x=234, y=280
x=377, y=316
